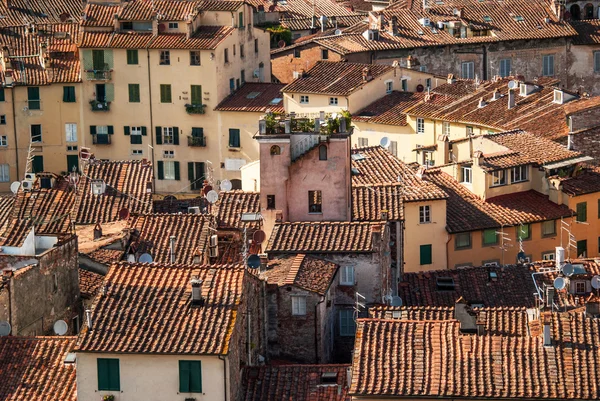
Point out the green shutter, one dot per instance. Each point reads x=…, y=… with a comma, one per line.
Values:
x=196, y=94
x=68, y=94
x=103, y=378
x=2, y=98
x=92, y=129
x=144, y=133
x=126, y=130
x=135, y=139
x=114, y=376
x=234, y=138
x=191, y=171
x=197, y=132
x=132, y=56
x=165, y=93
x=195, y=376
x=38, y=164
x=88, y=63
x=72, y=161
x=175, y=135
x=161, y=170
x=241, y=20
x=582, y=211
x=184, y=376
x=158, y=135
x=110, y=92
x=108, y=374
x=134, y=93
x=111, y=130
x=425, y=254
x=203, y=171
x=177, y=172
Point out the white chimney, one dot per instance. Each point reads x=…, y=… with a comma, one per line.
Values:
x=482, y=102
x=172, y=239
x=196, y=291
x=88, y=316
x=559, y=257
x=547, y=333
x=570, y=141
x=495, y=95
x=511, y=99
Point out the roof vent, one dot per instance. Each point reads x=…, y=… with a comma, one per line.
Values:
x=329, y=378
x=482, y=103
x=451, y=79
x=197, y=299
x=527, y=89
x=496, y=95
x=445, y=284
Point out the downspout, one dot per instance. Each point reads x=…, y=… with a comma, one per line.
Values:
x=265, y=319
x=399, y=248
x=317, y=328
x=224, y=359
x=485, y=66
x=448, y=250
x=151, y=133
x=14, y=118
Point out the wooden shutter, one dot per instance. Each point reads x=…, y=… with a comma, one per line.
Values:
x=88, y=63
x=582, y=211
x=196, y=94
x=175, y=135
x=103, y=378
x=202, y=172
x=191, y=171
x=177, y=171
x=33, y=93
x=98, y=60
x=159, y=135
x=38, y=164
x=126, y=130
x=144, y=132
x=425, y=254
x=195, y=376
x=110, y=92
x=110, y=130
x=161, y=170
x=184, y=376
x=113, y=375
x=234, y=138
x=72, y=161
x=92, y=129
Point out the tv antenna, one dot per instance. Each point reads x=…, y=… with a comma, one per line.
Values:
x=504, y=242
x=359, y=304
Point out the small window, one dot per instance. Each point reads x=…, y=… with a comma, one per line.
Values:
x=165, y=93
x=394, y=148
x=168, y=136
x=524, y=232
x=322, y=152
x=324, y=54
x=548, y=256
x=4, y=173
x=314, y=202
x=389, y=86
x=132, y=56
x=226, y=55
x=420, y=126
x=580, y=287
x=296, y=53
x=347, y=275
x=136, y=152
x=447, y=129
x=468, y=70
x=548, y=228
x=425, y=255
x=424, y=214
x=304, y=99
x=444, y=284
x=490, y=237
x=270, y=202
x=582, y=211
x=498, y=178
x=469, y=131
x=3, y=140
x=71, y=132
x=3, y=119
x=466, y=175
x=597, y=62
x=298, y=305
x=548, y=65
x=134, y=93
x=165, y=57
x=108, y=374
x=190, y=376
x=363, y=142
x=68, y=94
x=234, y=138
x=275, y=150
x=333, y=101
x=194, y=57
x=505, y=69
x=519, y=174
x=255, y=45
x=36, y=133
x=173, y=25
x=347, y=323
x=582, y=248
x=404, y=83
x=462, y=241
x=242, y=51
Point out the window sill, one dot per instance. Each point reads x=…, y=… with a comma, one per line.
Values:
x=232, y=149
x=548, y=235
x=425, y=222
x=518, y=182
x=315, y=212
x=489, y=245
x=462, y=248
x=498, y=186
x=347, y=284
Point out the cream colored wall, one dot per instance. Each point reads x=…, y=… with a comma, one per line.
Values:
x=149, y=377
x=247, y=123
x=417, y=234
x=316, y=103
x=251, y=176
x=403, y=135
x=591, y=230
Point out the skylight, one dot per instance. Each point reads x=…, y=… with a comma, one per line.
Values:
x=252, y=95
x=277, y=100
x=519, y=18
x=358, y=157
x=487, y=18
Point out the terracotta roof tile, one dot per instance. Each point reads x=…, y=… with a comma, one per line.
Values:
x=176, y=205
x=295, y=382
x=254, y=97
x=6, y=206
x=89, y=283
x=106, y=256
x=389, y=109
x=99, y=15
x=19, y=12
x=370, y=201
x=303, y=271
x=220, y=5
x=33, y=369
x=130, y=317
x=299, y=23
x=231, y=205
x=586, y=182
x=582, y=105
x=322, y=237
x=588, y=32
x=299, y=9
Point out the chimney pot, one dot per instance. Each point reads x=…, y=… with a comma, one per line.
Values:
x=172, y=239
x=570, y=141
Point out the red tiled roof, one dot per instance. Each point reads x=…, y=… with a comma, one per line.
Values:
x=33, y=369
x=146, y=309
x=231, y=205
x=254, y=97
x=295, y=382
x=106, y=256
x=588, y=32
x=303, y=271
x=20, y=12
x=6, y=207
x=322, y=237
x=220, y=5
x=99, y=15
x=586, y=182
x=89, y=283
x=389, y=109
x=370, y=201
x=335, y=78
x=299, y=9
x=434, y=359
x=584, y=104
x=305, y=23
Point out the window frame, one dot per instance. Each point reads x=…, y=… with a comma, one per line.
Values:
x=41, y=134
x=187, y=384
x=132, y=57
x=4, y=172
x=173, y=25
x=3, y=141
x=34, y=103
x=163, y=93
x=333, y=101
x=134, y=89
x=324, y=54
x=304, y=99
x=347, y=275
x=389, y=86
x=195, y=58
x=503, y=71
x=233, y=142
x=322, y=152
x=317, y=207
x=428, y=248
x=518, y=232
x=271, y=205
x=102, y=384
x=425, y=214
x=553, y=233
x=483, y=237
x=468, y=169
x=69, y=134
x=551, y=255
x=297, y=53
x=596, y=61
x=470, y=65
x=495, y=176
x=461, y=247
x=347, y=329
x=165, y=57
x=170, y=170
x=583, y=212
x=420, y=125
x=576, y=290
x=168, y=136
x=520, y=170
x=298, y=305
x=548, y=65
x=446, y=127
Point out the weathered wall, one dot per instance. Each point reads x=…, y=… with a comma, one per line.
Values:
x=586, y=142
x=581, y=73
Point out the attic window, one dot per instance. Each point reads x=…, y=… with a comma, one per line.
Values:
x=329, y=378
x=487, y=18
x=252, y=95
x=358, y=157
x=445, y=284
x=98, y=187
x=354, y=171
x=519, y=18
x=277, y=100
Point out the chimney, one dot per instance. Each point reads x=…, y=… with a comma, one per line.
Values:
x=116, y=25
x=366, y=74
x=409, y=62
x=97, y=232
x=558, y=9
x=88, y=316
x=197, y=299
x=189, y=31
x=559, y=257
x=460, y=12
x=264, y=261
x=549, y=297
x=482, y=102
x=477, y=158
x=570, y=141
x=172, y=239
x=466, y=317
x=495, y=94
x=380, y=21
x=376, y=237
x=451, y=79
x=197, y=257
x=480, y=324
x=547, y=331
x=511, y=99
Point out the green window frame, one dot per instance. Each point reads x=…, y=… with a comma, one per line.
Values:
x=582, y=211
x=524, y=232
x=196, y=94
x=33, y=98
x=425, y=254
x=489, y=237
x=134, y=93
x=234, y=138
x=108, y=374
x=462, y=241
x=132, y=57
x=190, y=376
x=68, y=94
x=241, y=20
x=98, y=60
x=165, y=93
x=197, y=132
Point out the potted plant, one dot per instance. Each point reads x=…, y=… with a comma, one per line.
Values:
x=108, y=397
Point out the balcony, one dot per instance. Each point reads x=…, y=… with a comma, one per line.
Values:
x=98, y=75
x=197, y=141
x=101, y=139
x=194, y=108
x=99, y=106
x=311, y=123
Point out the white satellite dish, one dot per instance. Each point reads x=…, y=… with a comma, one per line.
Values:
x=226, y=185
x=568, y=270
x=60, y=327
x=560, y=283
x=596, y=282
x=146, y=258
x=396, y=301
x=212, y=196
x=512, y=84
x=131, y=258
x=385, y=142
x=338, y=32
x=14, y=187
x=4, y=328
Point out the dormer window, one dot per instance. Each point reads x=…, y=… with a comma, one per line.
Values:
x=558, y=96
x=98, y=187
x=445, y=284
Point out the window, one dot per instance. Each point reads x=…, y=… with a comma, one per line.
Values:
x=72, y=163
x=270, y=202
x=599, y=208
x=347, y=275
x=38, y=164
x=490, y=237
x=548, y=65
x=241, y=20
x=469, y=131
x=231, y=85
x=298, y=305
x=3, y=140
x=275, y=150
x=71, y=132
x=168, y=154
x=255, y=45
x=323, y=152
x=2, y=97
x=165, y=93
x=173, y=25
x=304, y=99
x=242, y=51
x=314, y=202
x=234, y=138
x=504, y=69
x=136, y=135
x=68, y=94
x=420, y=126
x=296, y=53
x=582, y=211
x=425, y=255
x=548, y=228
x=582, y=249
x=108, y=374
x=196, y=94
x=196, y=174
x=363, y=142
x=33, y=98
x=462, y=241
x=428, y=83
x=170, y=136
x=194, y=57
x=226, y=55
x=597, y=62
x=468, y=70
x=165, y=57
x=347, y=323
x=425, y=214
x=243, y=76
x=136, y=152
x=404, y=84
x=72, y=148
x=519, y=174
x=447, y=128
x=134, y=93
x=467, y=175
x=389, y=86
x=36, y=133
x=190, y=376
x=132, y=56
x=168, y=170
x=580, y=287
x=394, y=148
x=524, y=232
x=548, y=256
x=3, y=119
x=4, y=173
x=498, y=178
x=333, y=101
x=324, y=54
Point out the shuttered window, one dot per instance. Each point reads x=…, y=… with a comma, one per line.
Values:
x=108, y=374
x=33, y=98
x=582, y=211
x=490, y=237
x=548, y=65
x=505, y=68
x=234, y=138
x=196, y=94
x=165, y=93
x=2, y=97
x=425, y=254
x=37, y=164
x=132, y=56
x=190, y=376
x=134, y=93
x=68, y=94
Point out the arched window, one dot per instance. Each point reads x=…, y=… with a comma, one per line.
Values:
x=275, y=150
x=575, y=12
x=588, y=11
x=322, y=152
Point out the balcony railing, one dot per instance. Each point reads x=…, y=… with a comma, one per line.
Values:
x=99, y=106
x=194, y=108
x=318, y=123
x=101, y=139
x=98, y=75
x=197, y=141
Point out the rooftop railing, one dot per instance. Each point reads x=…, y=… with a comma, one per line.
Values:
x=310, y=123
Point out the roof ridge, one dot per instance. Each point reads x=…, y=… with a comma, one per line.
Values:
x=294, y=269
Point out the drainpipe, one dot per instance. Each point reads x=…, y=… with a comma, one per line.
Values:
x=224, y=359
x=448, y=250
x=484, y=61
x=151, y=133
x=317, y=329
x=265, y=319
x=14, y=118
x=399, y=261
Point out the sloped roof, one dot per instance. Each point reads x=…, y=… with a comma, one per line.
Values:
x=231, y=205
x=389, y=110
x=89, y=283
x=19, y=12
x=303, y=271
x=586, y=182
x=254, y=97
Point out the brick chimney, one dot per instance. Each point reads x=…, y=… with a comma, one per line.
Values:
x=197, y=299
x=393, y=26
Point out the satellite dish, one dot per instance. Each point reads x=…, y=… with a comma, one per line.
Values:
x=396, y=301
x=207, y=189
x=253, y=261
x=281, y=43
x=212, y=196
x=131, y=258
x=4, y=328
x=385, y=142
x=60, y=327
x=560, y=283
x=338, y=32
x=568, y=270
x=124, y=214
x=226, y=185
x=596, y=282
x=14, y=187
x=146, y=258
x=512, y=84
x=259, y=236
x=420, y=88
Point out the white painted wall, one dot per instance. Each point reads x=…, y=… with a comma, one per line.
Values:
x=27, y=249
